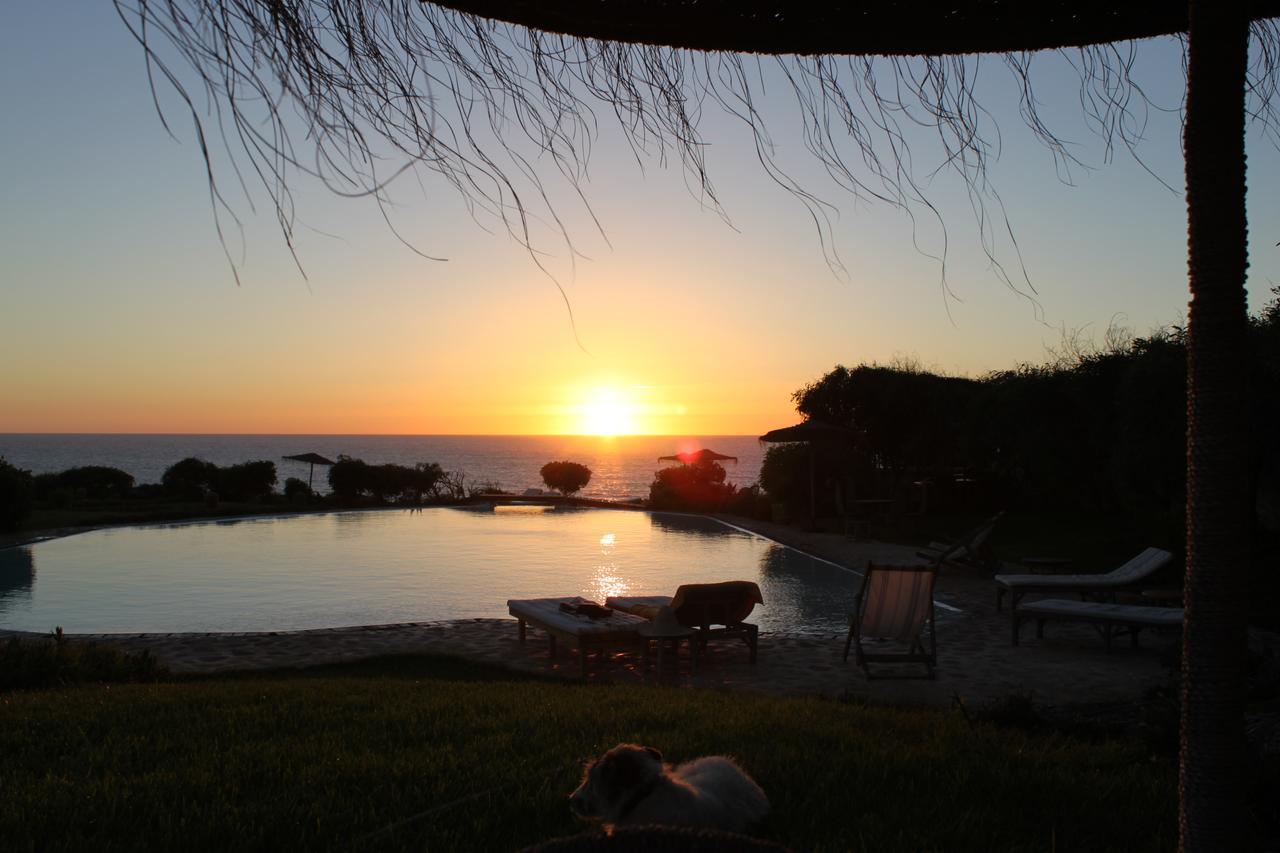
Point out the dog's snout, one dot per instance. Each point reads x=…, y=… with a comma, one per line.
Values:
x=577, y=803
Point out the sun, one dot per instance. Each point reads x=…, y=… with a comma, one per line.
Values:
x=607, y=412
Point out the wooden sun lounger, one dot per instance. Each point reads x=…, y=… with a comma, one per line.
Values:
x=703, y=605
x=1114, y=620
x=582, y=631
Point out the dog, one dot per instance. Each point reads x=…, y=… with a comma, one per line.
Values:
x=630, y=785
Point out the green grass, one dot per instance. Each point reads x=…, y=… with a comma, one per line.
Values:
x=322, y=759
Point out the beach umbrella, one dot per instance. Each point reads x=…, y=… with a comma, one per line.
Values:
x=312, y=459
x=813, y=432
x=694, y=457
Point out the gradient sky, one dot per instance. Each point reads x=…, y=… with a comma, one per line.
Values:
x=120, y=314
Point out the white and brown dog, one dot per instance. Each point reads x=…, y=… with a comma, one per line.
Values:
x=631, y=786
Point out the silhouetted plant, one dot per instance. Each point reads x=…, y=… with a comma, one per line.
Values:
x=1093, y=430
x=348, y=477
x=699, y=487
x=353, y=478
x=784, y=474
x=56, y=661
x=566, y=477
x=16, y=492
x=190, y=479
x=94, y=481
x=296, y=489
x=246, y=480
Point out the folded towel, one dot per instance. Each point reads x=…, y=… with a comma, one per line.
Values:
x=582, y=607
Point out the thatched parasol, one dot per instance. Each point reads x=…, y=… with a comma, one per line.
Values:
x=694, y=457
x=312, y=459
x=813, y=432
x=288, y=45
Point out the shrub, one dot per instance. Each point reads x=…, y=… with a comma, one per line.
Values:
x=190, y=479
x=247, y=480
x=57, y=662
x=348, y=477
x=295, y=489
x=16, y=489
x=489, y=487
x=699, y=487
x=426, y=480
x=565, y=477
x=784, y=474
x=352, y=478
x=749, y=503
x=97, y=481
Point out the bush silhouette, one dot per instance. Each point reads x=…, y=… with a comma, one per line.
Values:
x=190, y=479
x=15, y=495
x=352, y=478
x=95, y=481
x=246, y=481
x=565, y=477
x=700, y=486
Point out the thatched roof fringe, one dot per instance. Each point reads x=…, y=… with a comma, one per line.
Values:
x=882, y=28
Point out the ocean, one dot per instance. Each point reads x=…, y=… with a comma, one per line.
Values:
x=622, y=467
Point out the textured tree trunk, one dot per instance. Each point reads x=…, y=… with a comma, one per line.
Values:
x=1212, y=808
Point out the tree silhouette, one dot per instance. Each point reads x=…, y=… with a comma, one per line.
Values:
x=566, y=477
x=442, y=87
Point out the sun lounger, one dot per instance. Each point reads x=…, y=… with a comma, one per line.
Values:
x=1099, y=585
x=1114, y=620
x=895, y=602
x=969, y=548
x=713, y=609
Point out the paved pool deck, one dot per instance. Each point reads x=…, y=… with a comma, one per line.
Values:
x=976, y=661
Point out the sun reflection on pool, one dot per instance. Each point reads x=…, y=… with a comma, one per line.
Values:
x=606, y=582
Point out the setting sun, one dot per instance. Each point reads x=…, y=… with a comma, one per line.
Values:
x=607, y=412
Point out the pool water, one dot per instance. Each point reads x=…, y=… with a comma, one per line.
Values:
x=375, y=567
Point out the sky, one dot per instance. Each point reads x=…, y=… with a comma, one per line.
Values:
x=120, y=313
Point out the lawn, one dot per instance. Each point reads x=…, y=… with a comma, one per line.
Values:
x=340, y=757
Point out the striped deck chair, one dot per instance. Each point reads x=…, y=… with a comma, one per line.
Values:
x=895, y=603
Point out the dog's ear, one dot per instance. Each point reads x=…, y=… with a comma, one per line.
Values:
x=653, y=752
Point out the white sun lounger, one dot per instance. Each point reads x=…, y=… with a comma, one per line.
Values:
x=1114, y=619
x=1139, y=568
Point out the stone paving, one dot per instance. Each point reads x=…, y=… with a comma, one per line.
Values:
x=976, y=661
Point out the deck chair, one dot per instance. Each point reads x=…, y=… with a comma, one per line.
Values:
x=969, y=548
x=1097, y=587
x=712, y=609
x=895, y=602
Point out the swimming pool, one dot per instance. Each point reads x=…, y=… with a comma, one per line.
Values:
x=375, y=567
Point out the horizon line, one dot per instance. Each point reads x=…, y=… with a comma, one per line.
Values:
x=416, y=434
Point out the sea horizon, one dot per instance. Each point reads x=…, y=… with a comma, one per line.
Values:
x=622, y=466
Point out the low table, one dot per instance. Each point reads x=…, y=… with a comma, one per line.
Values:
x=583, y=631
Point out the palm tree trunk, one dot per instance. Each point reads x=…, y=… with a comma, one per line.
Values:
x=1212, y=810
